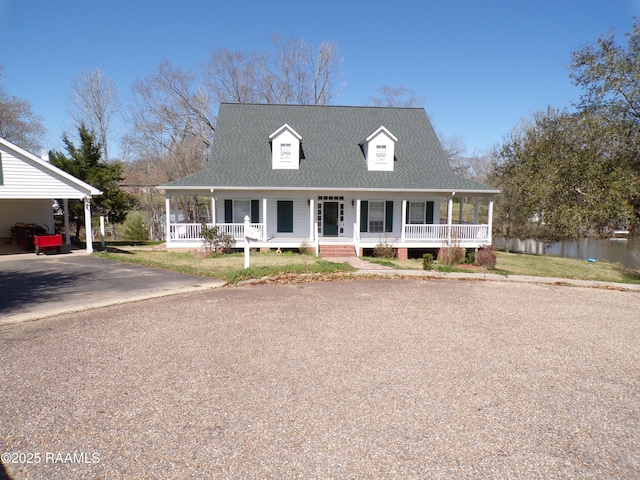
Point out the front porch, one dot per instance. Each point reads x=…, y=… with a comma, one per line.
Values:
x=187, y=235
x=338, y=220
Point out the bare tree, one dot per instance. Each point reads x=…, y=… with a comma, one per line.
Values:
x=325, y=68
x=454, y=149
x=18, y=123
x=231, y=76
x=293, y=73
x=171, y=121
x=401, y=96
x=94, y=103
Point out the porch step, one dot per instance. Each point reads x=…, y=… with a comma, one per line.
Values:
x=337, y=251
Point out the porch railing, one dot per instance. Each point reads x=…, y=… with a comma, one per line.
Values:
x=193, y=231
x=440, y=232
x=436, y=233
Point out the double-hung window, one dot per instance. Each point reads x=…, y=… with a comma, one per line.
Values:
x=236, y=209
x=417, y=213
x=241, y=209
x=420, y=213
x=376, y=216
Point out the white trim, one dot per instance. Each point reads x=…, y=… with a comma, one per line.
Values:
x=85, y=188
x=284, y=127
x=167, y=215
x=264, y=218
x=378, y=130
x=87, y=225
x=442, y=192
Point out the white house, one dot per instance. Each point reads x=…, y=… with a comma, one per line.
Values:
x=342, y=179
x=28, y=186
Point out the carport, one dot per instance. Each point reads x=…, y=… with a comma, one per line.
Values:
x=28, y=187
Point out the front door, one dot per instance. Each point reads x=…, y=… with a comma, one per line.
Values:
x=330, y=219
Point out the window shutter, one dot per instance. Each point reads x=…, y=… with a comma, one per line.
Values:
x=430, y=206
x=228, y=211
x=388, y=216
x=255, y=211
x=364, y=216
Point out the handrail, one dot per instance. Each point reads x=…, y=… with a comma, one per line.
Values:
x=356, y=239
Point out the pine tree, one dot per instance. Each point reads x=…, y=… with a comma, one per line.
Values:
x=86, y=164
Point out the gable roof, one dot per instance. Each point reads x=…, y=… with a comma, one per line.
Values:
x=331, y=157
x=282, y=129
x=32, y=177
x=374, y=134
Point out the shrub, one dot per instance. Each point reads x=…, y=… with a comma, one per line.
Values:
x=136, y=230
x=214, y=241
x=384, y=249
x=469, y=257
x=427, y=261
x=306, y=249
x=450, y=255
x=486, y=256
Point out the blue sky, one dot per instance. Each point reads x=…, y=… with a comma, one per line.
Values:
x=480, y=65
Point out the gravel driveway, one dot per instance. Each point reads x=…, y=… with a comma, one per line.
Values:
x=355, y=379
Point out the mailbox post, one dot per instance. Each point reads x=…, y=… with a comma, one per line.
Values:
x=246, y=241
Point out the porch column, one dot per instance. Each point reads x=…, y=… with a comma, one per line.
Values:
x=490, y=220
x=476, y=206
x=176, y=211
x=87, y=224
x=167, y=216
x=358, y=219
x=311, y=218
x=264, y=219
x=404, y=220
x=67, y=232
x=449, y=216
x=213, y=208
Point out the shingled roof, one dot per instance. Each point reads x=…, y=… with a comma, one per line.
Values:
x=332, y=157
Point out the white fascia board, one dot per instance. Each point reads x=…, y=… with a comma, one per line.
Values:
x=440, y=191
x=286, y=126
x=79, y=184
x=381, y=129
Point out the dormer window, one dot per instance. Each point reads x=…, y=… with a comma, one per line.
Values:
x=285, y=148
x=379, y=150
x=285, y=152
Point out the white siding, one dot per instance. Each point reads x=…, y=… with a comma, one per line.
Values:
x=379, y=152
x=26, y=211
x=292, y=161
x=22, y=178
x=301, y=208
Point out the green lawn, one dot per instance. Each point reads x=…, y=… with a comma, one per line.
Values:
x=230, y=267
x=553, y=266
x=227, y=267
x=537, y=266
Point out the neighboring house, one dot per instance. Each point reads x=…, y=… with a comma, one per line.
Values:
x=28, y=187
x=341, y=179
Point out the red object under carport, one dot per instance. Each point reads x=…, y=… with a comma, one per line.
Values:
x=47, y=242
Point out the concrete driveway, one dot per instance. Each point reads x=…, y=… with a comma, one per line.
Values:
x=34, y=287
